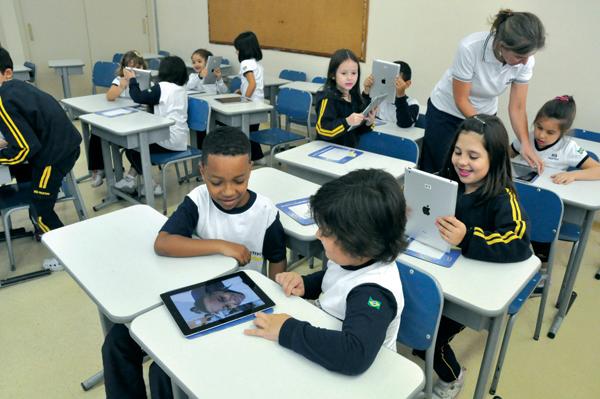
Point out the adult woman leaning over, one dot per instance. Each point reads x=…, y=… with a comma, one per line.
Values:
x=485, y=64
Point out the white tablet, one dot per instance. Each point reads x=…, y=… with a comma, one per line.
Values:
x=428, y=197
x=384, y=79
x=375, y=102
x=212, y=63
x=143, y=77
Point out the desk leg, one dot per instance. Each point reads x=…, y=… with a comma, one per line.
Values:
x=571, y=275
x=110, y=198
x=272, y=98
x=99, y=376
x=146, y=169
x=488, y=356
x=85, y=133
x=64, y=76
x=245, y=124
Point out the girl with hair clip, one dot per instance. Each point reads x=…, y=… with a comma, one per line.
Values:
x=339, y=105
x=118, y=88
x=485, y=65
x=252, y=77
x=195, y=80
x=489, y=224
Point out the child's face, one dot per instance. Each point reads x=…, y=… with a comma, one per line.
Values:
x=512, y=58
x=546, y=132
x=198, y=63
x=334, y=251
x=346, y=75
x=226, y=178
x=470, y=160
x=221, y=300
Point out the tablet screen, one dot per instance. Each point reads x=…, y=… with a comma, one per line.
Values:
x=214, y=303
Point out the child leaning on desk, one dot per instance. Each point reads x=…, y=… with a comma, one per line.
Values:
x=340, y=105
x=361, y=218
x=489, y=224
x=230, y=220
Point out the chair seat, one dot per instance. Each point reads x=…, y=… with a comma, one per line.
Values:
x=569, y=232
x=313, y=120
x=516, y=304
x=275, y=136
x=15, y=195
x=162, y=158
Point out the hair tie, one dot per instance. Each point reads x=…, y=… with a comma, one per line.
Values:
x=564, y=99
x=479, y=120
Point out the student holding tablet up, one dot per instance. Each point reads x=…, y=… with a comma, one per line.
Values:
x=196, y=79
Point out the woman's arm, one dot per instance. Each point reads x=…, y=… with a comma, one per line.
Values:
x=518, y=119
x=461, y=91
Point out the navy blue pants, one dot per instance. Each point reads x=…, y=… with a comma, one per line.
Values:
x=440, y=131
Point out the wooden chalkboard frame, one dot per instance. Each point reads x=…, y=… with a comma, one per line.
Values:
x=227, y=18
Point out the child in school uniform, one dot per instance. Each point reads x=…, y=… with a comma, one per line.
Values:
x=252, y=77
x=118, y=88
x=230, y=220
x=489, y=224
x=35, y=129
x=402, y=110
x=195, y=80
x=339, y=105
x=361, y=218
x=169, y=99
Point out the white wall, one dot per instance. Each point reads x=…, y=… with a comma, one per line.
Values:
x=11, y=31
x=425, y=34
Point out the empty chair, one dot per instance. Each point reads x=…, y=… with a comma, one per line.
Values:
x=319, y=79
x=103, y=74
x=224, y=61
x=235, y=84
x=423, y=304
x=391, y=146
x=296, y=76
x=31, y=66
x=164, y=53
x=117, y=57
x=153, y=64
x=586, y=135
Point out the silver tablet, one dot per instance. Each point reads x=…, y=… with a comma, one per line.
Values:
x=212, y=63
x=384, y=77
x=143, y=77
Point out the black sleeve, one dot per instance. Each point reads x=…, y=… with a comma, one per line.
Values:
x=312, y=284
x=18, y=133
x=149, y=97
x=406, y=115
x=369, y=310
x=184, y=220
x=330, y=125
x=274, y=242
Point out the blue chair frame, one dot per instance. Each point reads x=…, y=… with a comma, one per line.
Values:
x=423, y=305
x=103, y=74
x=154, y=64
x=392, y=146
x=235, y=84
x=295, y=76
x=544, y=227
x=117, y=57
x=31, y=66
x=319, y=79
x=164, y=53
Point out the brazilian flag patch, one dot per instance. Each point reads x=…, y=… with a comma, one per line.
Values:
x=374, y=303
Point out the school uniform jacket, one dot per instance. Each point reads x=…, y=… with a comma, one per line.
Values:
x=332, y=111
x=497, y=229
x=35, y=126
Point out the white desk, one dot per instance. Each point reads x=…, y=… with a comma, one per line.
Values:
x=229, y=364
x=242, y=114
x=477, y=294
x=413, y=133
x=271, y=87
x=319, y=171
x=132, y=131
x=21, y=72
x=65, y=68
x=280, y=187
x=310, y=87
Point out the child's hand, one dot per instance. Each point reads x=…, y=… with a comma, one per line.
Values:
x=203, y=73
x=128, y=74
x=268, y=325
x=3, y=143
x=237, y=251
x=563, y=178
x=371, y=116
x=451, y=229
x=291, y=282
x=355, y=119
x=218, y=73
x=368, y=83
x=401, y=86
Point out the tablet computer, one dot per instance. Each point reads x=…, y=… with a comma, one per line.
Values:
x=143, y=77
x=203, y=307
x=212, y=63
x=230, y=100
x=375, y=102
x=384, y=78
x=428, y=197
x=524, y=172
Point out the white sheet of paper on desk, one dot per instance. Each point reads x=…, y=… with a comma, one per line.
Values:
x=302, y=210
x=421, y=248
x=117, y=112
x=336, y=154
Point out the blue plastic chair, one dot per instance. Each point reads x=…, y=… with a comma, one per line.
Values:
x=164, y=53
x=224, y=61
x=295, y=76
x=544, y=227
x=294, y=104
x=235, y=84
x=319, y=79
x=423, y=304
x=31, y=66
x=117, y=57
x=391, y=146
x=198, y=117
x=154, y=64
x=103, y=74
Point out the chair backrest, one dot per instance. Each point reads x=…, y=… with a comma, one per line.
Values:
x=225, y=61
x=391, y=146
x=296, y=76
x=544, y=209
x=198, y=114
x=423, y=304
x=164, y=53
x=104, y=73
x=235, y=84
x=154, y=64
x=319, y=79
x=117, y=57
x=586, y=135
x=31, y=66
x=421, y=121
x=295, y=104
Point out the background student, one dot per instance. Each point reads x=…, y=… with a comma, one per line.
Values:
x=401, y=110
x=485, y=65
x=169, y=99
x=361, y=218
x=339, y=105
x=196, y=78
x=489, y=224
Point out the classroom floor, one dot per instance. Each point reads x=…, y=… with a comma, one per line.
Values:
x=50, y=335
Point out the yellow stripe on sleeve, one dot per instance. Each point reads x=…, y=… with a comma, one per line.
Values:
x=324, y=132
x=24, y=147
x=516, y=234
